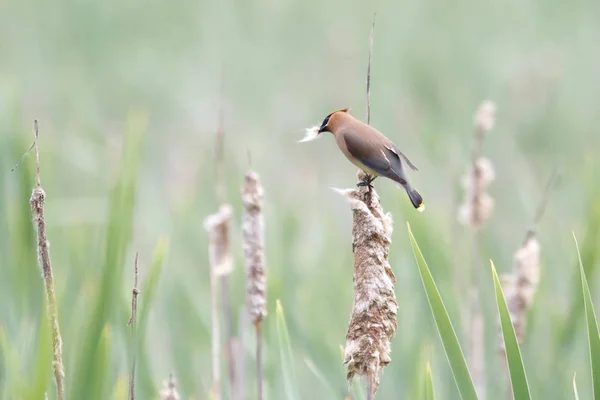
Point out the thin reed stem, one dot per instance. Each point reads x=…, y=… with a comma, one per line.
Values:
x=133, y=321
x=37, y=208
x=224, y=278
x=253, y=232
x=369, y=71
x=259, y=368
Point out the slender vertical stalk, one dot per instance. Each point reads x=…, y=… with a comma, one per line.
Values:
x=369, y=72
x=133, y=321
x=37, y=208
x=477, y=208
x=254, y=256
x=224, y=278
x=259, y=368
x=217, y=226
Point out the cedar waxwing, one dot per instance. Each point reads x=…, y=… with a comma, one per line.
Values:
x=369, y=150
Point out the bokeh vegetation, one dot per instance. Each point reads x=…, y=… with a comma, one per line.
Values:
x=128, y=97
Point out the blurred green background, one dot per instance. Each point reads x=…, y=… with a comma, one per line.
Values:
x=128, y=96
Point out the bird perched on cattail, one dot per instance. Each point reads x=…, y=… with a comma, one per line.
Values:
x=369, y=150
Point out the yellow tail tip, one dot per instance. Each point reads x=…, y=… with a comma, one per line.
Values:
x=421, y=207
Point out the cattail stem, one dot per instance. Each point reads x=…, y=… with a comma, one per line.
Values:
x=133, y=321
x=477, y=208
x=371, y=387
x=37, y=208
x=254, y=256
x=217, y=226
x=259, y=368
x=216, y=340
x=369, y=71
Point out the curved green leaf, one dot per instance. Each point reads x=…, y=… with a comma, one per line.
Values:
x=454, y=353
x=592, y=327
x=287, y=361
x=518, y=379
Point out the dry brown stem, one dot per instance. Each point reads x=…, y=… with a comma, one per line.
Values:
x=256, y=281
x=132, y=321
x=373, y=320
x=37, y=208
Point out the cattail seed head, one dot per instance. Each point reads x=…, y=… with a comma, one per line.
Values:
x=520, y=286
x=485, y=117
x=253, y=237
x=217, y=226
x=478, y=204
x=373, y=321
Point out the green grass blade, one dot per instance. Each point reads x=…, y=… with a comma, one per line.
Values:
x=429, y=394
x=592, y=327
x=518, y=379
x=575, y=392
x=287, y=361
x=454, y=353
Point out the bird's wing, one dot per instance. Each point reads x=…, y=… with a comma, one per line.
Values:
x=397, y=151
x=375, y=156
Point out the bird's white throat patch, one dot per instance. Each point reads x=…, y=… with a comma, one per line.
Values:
x=311, y=134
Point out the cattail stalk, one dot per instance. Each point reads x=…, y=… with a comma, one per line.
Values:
x=476, y=209
x=169, y=391
x=373, y=320
x=256, y=283
x=224, y=277
x=37, y=208
x=133, y=321
x=521, y=284
x=219, y=255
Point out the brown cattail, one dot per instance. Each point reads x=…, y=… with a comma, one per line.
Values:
x=478, y=205
x=36, y=202
x=169, y=390
x=253, y=229
x=221, y=264
x=476, y=209
x=254, y=235
x=520, y=286
x=485, y=117
x=217, y=226
x=373, y=321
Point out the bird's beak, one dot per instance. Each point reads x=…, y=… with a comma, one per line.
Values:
x=322, y=129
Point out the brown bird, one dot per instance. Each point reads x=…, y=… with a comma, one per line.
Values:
x=369, y=150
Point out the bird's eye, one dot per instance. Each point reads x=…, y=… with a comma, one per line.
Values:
x=325, y=121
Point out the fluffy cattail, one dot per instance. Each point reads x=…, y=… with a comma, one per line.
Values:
x=477, y=208
x=253, y=236
x=373, y=321
x=485, y=117
x=520, y=286
x=219, y=255
x=253, y=229
x=478, y=204
x=221, y=264
x=169, y=390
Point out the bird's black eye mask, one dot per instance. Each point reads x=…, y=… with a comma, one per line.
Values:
x=324, y=124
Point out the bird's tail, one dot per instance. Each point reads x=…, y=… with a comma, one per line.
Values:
x=415, y=198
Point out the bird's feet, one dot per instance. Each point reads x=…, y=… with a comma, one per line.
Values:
x=367, y=182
